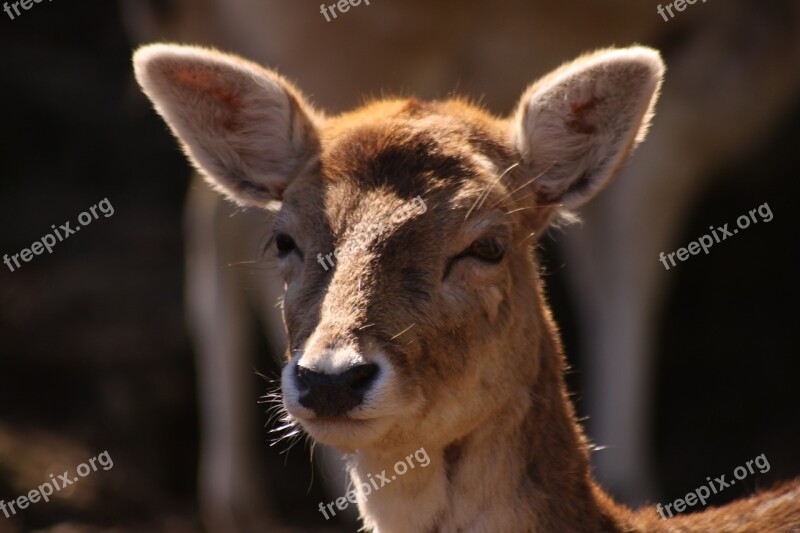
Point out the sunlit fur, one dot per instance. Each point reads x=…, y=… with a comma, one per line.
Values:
x=471, y=363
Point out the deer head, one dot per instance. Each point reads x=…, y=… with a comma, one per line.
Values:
x=416, y=328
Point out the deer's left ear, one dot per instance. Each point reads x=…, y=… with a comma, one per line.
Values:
x=576, y=126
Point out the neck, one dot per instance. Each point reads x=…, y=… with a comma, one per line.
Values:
x=527, y=468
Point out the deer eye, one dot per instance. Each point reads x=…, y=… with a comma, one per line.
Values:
x=285, y=245
x=488, y=250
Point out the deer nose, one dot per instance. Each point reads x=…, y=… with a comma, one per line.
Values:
x=335, y=394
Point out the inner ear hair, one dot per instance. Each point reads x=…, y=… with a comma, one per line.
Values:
x=577, y=125
x=246, y=128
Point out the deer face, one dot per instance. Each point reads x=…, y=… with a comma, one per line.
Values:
x=405, y=229
x=408, y=310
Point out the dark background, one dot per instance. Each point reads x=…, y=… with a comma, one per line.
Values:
x=94, y=353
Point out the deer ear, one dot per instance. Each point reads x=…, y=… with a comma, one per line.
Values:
x=244, y=127
x=575, y=127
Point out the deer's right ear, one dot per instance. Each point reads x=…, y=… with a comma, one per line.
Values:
x=244, y=127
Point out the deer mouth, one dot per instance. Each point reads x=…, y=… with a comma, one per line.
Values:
x=331, y=422
x=344, y=432
x=337, y=420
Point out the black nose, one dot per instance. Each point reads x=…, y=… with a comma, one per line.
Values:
x=335, y=394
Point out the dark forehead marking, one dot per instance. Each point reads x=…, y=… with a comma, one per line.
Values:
x=398, y=154
x=398, y=160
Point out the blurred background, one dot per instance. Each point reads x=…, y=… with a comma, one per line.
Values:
x=682, y=374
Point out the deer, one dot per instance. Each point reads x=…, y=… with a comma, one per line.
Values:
x=616, y=289
x=437, y=332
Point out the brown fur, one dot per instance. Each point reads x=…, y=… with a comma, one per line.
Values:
x=471, y=361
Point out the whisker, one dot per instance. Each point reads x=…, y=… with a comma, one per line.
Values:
x=525, y=239
x=311, y=462
x=405, y=330
x=240, y=263
x=524, y=208
x=485, y=193
x=543, y=206
x=533, y=193
x=545, y=171
x=477, y=200
x=506, y=171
